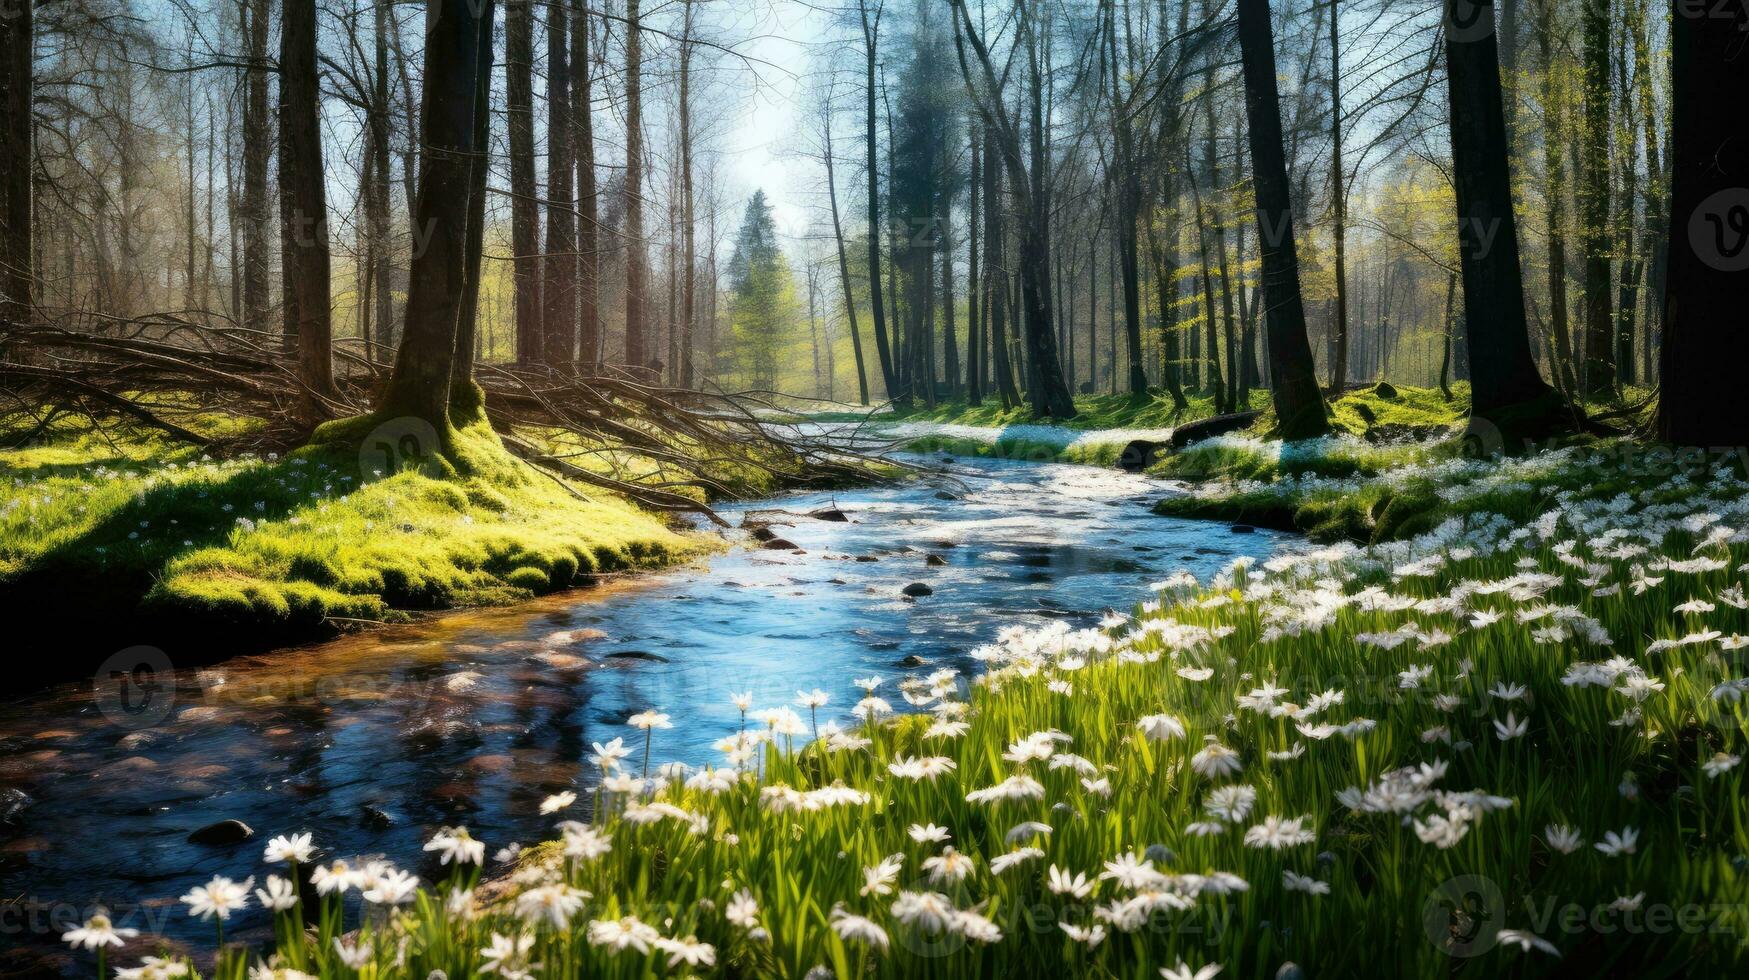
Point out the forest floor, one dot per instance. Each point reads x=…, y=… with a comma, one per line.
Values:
x=1509, y=729
x=1107, y=423
x=140, y=536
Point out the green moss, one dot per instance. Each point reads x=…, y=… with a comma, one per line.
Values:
x=291, y=545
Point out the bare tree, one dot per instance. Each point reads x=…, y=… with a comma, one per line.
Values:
x=1299, y=403
x=303, y=204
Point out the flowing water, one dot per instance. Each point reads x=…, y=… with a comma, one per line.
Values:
x=373, y=741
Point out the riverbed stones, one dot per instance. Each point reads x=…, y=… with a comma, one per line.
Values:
x=223, y=833
x=831, y=514
x=917, y=590
x=934, y=561
x=913, y=661
x=779, y=544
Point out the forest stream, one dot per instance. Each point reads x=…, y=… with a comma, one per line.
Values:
x=373, y=741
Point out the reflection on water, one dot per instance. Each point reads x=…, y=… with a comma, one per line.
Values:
x=373, y=741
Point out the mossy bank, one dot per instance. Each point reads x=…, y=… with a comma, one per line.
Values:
x=113, y=539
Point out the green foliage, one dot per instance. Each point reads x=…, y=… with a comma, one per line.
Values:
x=763, y=307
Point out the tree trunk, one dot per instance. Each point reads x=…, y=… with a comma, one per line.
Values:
x=1703, y=401
x=524, y=203
x=844, y=264
x=558, y=289
x=303, y=208
x=637, y=354
x=1338, y=208
x=871, y=43
x=995, y=276
x=1509, y=400
x=456, y=30
x=950, y=338
x=377, y=220
x=688, y=220
x=1556, y=178
x=17, y=159
x=1599, y=320
x=257, y=137
x=588, y=233
x=1299, y=403
x=462, y=393
x=974, y=325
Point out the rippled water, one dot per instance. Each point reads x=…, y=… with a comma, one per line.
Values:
x=373, y=741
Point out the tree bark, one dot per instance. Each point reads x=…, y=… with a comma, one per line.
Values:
x=1509, y=401
x=1599, y=303
x=462, y=393
x=1338, y=208
x=688, y=220
x=637, y=355
x=524, y=202
x=558, y=288
x=844, y=263
x=257, y=148
x=995, y=276
x=456, y=30
x=377, y=219
x=17, y=159
x=871, y=42
x=303, y=205
x=1299, y=403
x=1556, y=178
x=588, y=231
x=1703, y=400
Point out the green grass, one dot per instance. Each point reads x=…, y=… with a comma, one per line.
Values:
x=1085, y=453
x=1092, y=412
x=1541, y=648
x=283, y=548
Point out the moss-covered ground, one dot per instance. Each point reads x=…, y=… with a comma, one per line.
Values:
x=125, y=531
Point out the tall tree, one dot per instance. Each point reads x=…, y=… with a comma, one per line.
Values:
x=688, y=219
x=1702, y=399
x=524, y=202
x=1555, y=178
x=637, y=354
x=558, y=290
x=1029, y=189
x=995, y=284
x=843, y=255
x=17, y=160
x=377, y=205
x=871, y=32
x=1129, y=205
x=303, y=207
x=1599, y=145
x=257, y=149
x=1299, y=403
x=1507, y=393
x=588, y=232
x=457, y=49
x=1338, y=206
